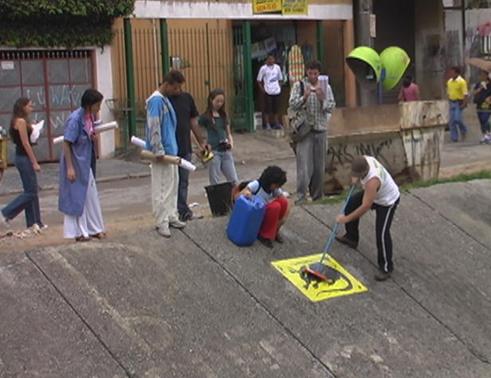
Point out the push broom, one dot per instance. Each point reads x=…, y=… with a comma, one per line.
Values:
x=318, y=271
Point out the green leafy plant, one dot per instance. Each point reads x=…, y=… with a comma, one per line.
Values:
x=59, y=23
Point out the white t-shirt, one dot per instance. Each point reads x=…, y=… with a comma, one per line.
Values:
x=256, y=190
x=270, y=76
x=388, y=193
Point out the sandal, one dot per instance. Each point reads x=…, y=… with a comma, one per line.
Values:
x=100, y=235
x=82, y=238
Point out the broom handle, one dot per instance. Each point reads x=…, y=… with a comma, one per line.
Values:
x=332, y=235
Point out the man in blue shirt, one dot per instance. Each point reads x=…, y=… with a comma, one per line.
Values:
x=160, y=132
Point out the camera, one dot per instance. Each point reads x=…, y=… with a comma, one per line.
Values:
x=224, y=145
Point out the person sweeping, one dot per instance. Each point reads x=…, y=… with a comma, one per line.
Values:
x=379, y=193
x=268, y=188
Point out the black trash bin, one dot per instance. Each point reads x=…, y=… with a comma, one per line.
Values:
x=220, y=198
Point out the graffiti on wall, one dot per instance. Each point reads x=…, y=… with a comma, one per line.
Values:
x=343, y=153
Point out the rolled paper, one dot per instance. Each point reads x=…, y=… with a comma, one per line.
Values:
x=97, y=129
x=106, y=127
x=169, y=159
x=36, y=131
x=166, y=159
x=58, y=139
x=138, y=142
x=187, y=165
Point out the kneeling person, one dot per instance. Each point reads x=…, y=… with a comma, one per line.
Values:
x=268, y=187
x=380, y=193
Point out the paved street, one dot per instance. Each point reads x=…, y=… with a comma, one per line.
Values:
x=197, y=306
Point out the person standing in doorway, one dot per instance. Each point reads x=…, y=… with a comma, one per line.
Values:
x=380, y=193
x=268, y=79
x=317, y=101
x=27, y=165
x=457, y=92
x=160, y=133
x=78, y=198
x=409, y=90
x=187, y=122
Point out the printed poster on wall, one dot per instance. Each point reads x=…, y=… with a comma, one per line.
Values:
x=266, y=6
x=295, y=7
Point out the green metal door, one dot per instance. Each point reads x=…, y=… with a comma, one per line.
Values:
x=242, y=118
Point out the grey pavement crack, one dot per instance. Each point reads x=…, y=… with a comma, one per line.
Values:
x=471, y=350
x=86, y=324
x=261, y=305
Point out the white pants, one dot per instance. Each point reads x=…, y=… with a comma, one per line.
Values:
x=165, y=181
x=90, y=222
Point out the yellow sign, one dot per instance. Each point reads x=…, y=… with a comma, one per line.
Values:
x=343, y=283
x=293, y=7
x=266, y=6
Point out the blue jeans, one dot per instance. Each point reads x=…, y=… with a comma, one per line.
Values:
x=484, y=121
x=222, y=162
x=455, y=122
x=29, y=200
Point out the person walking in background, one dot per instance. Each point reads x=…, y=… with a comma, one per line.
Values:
x=27, y=165
x=482, y=99
x=317, y=100
x=160, y=132
x=268, y=79
x=187, y=122
x=409, y=90
x=78, y=197
x=457, y=93
x=217, y=126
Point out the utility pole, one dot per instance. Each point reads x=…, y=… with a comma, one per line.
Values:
x=364, y=29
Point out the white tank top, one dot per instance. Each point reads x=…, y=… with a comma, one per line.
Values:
x=388, y=193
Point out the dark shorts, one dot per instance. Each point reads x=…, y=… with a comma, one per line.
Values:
x=271, y=103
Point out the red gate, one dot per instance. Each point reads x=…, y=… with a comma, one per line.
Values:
x=54, y=80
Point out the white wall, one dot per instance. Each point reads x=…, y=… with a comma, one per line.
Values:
x=211, y=9
x=104, y=85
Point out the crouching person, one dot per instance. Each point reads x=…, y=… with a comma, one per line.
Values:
x=268, y=188
x=380, y=193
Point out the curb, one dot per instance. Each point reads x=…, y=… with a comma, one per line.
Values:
x=101, y=180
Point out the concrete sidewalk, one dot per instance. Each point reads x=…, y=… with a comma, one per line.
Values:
x=198, y=306
x=250, y=149
x=259, y=150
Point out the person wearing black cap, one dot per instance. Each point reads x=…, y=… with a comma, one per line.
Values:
x=380, y=193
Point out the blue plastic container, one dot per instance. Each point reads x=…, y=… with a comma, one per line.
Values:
x=245, y=221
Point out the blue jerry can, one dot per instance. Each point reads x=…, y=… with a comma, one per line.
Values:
x=245, y=221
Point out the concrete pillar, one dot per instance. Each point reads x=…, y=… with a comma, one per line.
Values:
x=364, y=8
x=349, y=81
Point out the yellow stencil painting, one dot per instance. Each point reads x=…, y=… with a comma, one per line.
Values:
x=342, y=283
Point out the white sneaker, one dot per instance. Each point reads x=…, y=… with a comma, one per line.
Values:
x=177, y=224
x=163, y=230
x=3, y=221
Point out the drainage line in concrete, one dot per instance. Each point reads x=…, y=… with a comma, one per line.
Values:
x=471, y=350
x=65, y=299
x=261, y=305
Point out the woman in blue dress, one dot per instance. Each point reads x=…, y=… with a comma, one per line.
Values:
x=78, y=198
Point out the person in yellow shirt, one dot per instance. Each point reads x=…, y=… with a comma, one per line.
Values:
x=457, y=95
